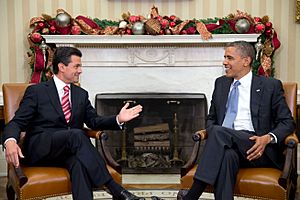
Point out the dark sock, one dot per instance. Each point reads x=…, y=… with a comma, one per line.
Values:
x=114, y=188
x=196, y=190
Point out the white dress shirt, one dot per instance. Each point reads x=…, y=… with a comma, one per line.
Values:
x=243, y=120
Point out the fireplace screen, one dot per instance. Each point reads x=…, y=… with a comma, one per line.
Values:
x=161, y=137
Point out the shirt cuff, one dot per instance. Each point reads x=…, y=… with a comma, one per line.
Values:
x=274, y=136
x=120, y=124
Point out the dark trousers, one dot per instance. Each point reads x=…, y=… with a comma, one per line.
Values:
x=73, y=150
x=224, y=153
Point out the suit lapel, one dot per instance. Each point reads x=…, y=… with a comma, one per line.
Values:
x=255, y=99
x=54, y=98
x=224, y=96
x=74, y=100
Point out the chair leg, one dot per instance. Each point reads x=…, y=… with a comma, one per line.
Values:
x=294, y=179
x=10, y=193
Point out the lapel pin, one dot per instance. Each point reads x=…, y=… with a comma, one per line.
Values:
x=258, y=90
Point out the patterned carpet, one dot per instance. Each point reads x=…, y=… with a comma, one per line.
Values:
x=165, y=194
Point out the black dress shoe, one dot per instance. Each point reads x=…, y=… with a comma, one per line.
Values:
x=156, y=198
x=181, y=194
x=126, y=195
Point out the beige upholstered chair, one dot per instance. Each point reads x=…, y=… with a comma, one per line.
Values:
x=37, y=182
x=259, y=183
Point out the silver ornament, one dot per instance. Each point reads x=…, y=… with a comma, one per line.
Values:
x=242, y=25
x=258, y=47
x=62, y=20
x=138, y=28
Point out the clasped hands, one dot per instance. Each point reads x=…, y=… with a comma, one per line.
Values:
x=257, y=150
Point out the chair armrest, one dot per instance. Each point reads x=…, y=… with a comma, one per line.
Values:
x=93, y=133
x=200, y=135
x=192, y=160
x=104, y=151
x=289, y=168
x=22, y=178
x=197, y=137
x=291, y=138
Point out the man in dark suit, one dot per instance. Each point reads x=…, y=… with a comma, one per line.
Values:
x=254, y=137
x=54, y=133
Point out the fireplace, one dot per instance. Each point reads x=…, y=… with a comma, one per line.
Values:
x=160, y=139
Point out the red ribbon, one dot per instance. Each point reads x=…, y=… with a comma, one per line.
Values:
x=39, y=65
x=275, y=41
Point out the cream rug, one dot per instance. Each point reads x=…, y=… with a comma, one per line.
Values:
x=165, y=194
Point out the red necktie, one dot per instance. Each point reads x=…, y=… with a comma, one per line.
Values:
x=65, y=103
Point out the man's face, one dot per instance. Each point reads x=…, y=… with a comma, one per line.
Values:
x=71, y=72
x=235, y=65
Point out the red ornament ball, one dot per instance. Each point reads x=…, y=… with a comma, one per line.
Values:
x=133, y=19
x=191, y=30
x=172, y=17
x=164, y=23
x=268, y=25
x=128, y=32
x=52, y=29
x=76, y=30
x=36, y=37
x=159, y=18
x=257, y=19
x=259, y=28
x=172, y=24
x=40, y=25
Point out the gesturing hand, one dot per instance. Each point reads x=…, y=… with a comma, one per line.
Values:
x=126, y=114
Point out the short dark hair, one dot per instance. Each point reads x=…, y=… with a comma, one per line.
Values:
x=245, y=49
x=63, y=55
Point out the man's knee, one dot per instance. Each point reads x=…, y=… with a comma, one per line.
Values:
x=77, y=137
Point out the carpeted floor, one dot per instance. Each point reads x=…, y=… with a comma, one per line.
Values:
x=100, y=195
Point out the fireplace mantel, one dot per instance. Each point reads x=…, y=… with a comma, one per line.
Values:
x=146, y=63
x=146, y=39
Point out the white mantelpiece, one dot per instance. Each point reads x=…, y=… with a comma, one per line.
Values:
x=144, y=63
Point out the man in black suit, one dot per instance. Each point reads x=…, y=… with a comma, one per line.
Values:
x=53, y=135
x=256, y=134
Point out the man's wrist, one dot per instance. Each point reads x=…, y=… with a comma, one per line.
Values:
x=7, y=140
x=272, y=138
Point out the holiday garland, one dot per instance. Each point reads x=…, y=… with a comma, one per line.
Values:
x=155, y=24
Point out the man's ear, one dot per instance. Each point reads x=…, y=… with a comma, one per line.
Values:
x=247, y=61
x=61, y=67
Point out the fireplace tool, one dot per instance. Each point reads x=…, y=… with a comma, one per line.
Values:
x=175, y=160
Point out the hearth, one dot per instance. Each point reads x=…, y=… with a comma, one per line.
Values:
x=160, y=139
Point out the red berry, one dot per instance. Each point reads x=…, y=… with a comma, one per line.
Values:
x=172, y=17
x=172, y=24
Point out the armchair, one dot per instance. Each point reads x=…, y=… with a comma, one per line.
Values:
x=258, y=183
x=27, y=182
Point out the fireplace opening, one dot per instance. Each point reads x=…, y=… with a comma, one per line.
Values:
x=160, y=139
